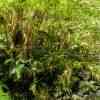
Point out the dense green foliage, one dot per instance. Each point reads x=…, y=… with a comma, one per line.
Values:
x=49, y=50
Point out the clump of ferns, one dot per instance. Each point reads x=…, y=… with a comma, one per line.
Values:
x=8, y=22
x=4, y=26
x=18, y=30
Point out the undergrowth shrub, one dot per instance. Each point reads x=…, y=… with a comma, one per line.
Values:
x=49, y=50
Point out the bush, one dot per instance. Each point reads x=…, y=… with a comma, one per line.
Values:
x=49, y=50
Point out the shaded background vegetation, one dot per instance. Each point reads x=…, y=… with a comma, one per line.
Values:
x=49, y=50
